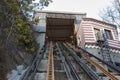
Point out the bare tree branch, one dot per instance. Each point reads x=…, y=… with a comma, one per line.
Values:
x=112, y=13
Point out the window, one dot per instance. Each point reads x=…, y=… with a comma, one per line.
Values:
x=108, y=34
x=98, y=34
x=96, y=31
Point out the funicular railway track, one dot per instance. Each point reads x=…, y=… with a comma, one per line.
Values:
x=73, y=71
x=50, y=70
x=108, y=74
x=32, y=69
x=89, y=72
x=70, y=60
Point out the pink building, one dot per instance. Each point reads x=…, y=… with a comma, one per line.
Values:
x=94, y=34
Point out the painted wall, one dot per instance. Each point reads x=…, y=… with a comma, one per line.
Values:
x=87, y=34
x=78, y=19
x=41, y=26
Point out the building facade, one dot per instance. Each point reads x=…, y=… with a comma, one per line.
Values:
x=100, y=39
x=57, y=25
x=97, y=37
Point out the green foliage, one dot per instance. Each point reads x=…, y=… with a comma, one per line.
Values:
x=6, y=30
x=37, y=19
x=45, y=2
x=11, y=5
x=28, y=6
x=15, y=22
x=24, y=37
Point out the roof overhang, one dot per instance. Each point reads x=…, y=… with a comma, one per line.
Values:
x=60, y=28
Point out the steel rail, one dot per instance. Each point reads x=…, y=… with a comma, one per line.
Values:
x=67, y=71
x=94, y=63
x=89, y=72
x=50, y=69
x=36, y=66
x=76, y=76
x=30, y=68
x=115, y=68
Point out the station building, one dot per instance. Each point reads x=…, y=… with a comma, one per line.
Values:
x=95, y=36
x=100, y=39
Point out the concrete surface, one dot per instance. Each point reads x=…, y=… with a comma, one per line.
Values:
x=43, y=66
x=40, y=76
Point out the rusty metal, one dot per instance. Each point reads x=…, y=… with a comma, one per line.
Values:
x=95, y=64
x=50, y=69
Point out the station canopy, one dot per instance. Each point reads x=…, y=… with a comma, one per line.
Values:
x=60, y=27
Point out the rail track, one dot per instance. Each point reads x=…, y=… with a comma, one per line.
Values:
x=30, y=73
x=63, y=59
x=82, y=53
x=50, y=70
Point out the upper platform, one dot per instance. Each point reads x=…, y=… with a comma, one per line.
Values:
x=59, y=25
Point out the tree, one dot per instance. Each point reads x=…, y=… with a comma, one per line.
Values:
x=14, y=25
x=28, y=6
x=111, y=14
x=15, y=33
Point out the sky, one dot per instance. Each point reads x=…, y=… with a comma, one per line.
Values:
x=91, y=7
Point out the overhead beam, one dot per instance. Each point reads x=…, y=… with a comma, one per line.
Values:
x=58, y=28
x=63, y=39
x=59, y=25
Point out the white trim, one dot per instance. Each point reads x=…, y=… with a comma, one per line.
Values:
x=60, y=12
x=93, y=32
x=113, y=35
x=97, y=47
x=91, y=46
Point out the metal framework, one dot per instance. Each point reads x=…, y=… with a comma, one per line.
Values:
x=92, y=75
x=74, y=72
x=104, y=46
x=85, y=56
